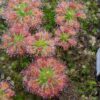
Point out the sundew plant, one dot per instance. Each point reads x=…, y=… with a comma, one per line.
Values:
x=35, y=49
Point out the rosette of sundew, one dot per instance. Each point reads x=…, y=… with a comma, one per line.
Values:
x=24, y=11
x=6, y=91
x=45, y=77
x=65, y=37
x=69, y=12
x=40, y=44
x=14, y=42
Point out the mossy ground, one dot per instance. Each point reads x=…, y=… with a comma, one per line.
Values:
x=80, y=59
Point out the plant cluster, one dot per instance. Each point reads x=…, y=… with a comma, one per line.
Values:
x=67, y=15
x=24, y=11
x=45, y=76
x=6, y=92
